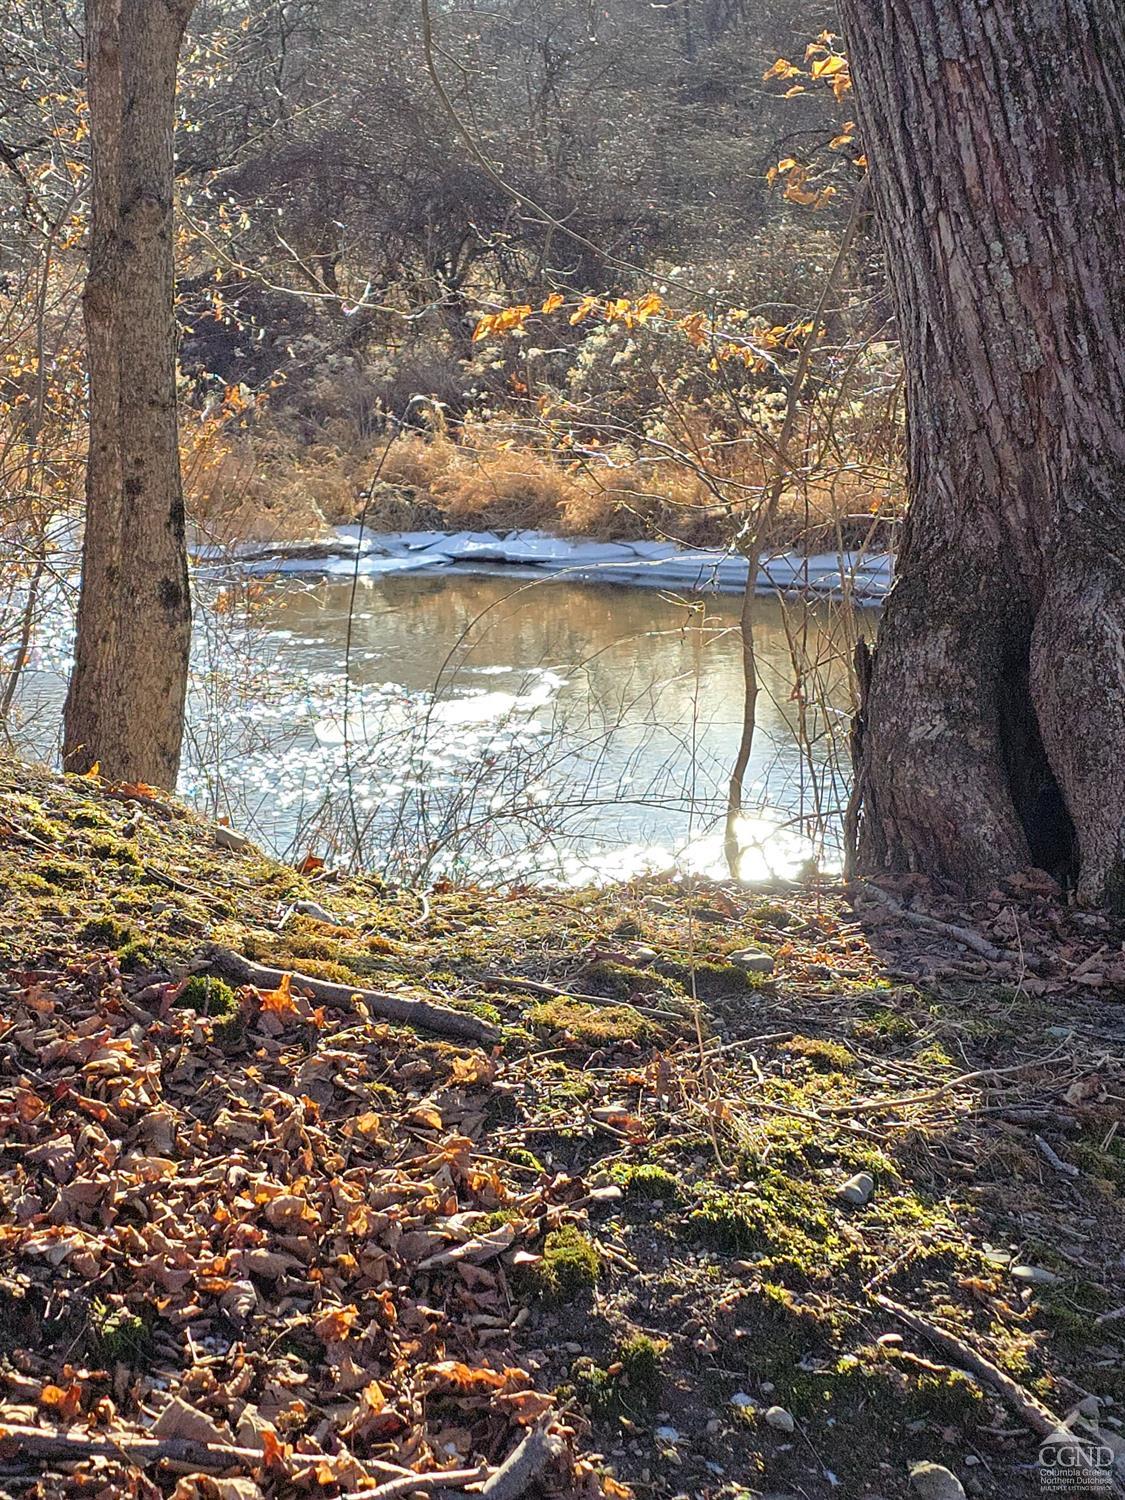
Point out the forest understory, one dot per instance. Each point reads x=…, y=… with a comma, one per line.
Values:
x=670, y=1188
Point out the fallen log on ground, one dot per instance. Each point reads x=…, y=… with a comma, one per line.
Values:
x=404, y=1009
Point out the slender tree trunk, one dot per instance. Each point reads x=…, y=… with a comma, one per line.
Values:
x=125, y=706
x=995, y=724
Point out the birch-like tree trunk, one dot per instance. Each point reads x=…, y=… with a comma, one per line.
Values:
x=994, y=730
x=125, y=705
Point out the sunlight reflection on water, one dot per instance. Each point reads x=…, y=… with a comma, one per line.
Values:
x=486, y=728
x=768, y=851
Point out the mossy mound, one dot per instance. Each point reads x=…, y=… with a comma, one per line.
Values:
x=118, y=1336
x=569, y=1267
x=591, y=1025
x=208, y=997
x=783, y=1219
x=647, y=1181
x=630, y=1385
x=823, y=1056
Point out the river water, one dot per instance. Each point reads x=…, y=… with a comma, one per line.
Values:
x=499, y=727
x=460, y=725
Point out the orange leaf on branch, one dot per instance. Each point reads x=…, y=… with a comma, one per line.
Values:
x=828, y=67
x=782, y=68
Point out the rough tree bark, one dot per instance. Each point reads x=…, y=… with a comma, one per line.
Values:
x=125, y=705
x=994, y=731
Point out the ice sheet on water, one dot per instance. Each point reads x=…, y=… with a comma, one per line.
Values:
x=370, y=565
x=484, y=546
x=653, y=563
x=395, y=543
x=654, y=551
x=553, y=551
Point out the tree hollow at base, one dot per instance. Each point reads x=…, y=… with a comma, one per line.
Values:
x=989, y=743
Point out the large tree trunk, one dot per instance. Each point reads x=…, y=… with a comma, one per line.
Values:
x=994, y=732
x=125, y=706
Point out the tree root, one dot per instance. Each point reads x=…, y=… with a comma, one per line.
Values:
x=964, y=935
x=423, y=1014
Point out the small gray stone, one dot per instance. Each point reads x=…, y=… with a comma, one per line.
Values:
x=778, y=1417
x=228, y=838
x=1089, y=1406
x=933, y=1482
x=857, y=1190
x=1035, y=1276
x=753, y=960
x=317, y=912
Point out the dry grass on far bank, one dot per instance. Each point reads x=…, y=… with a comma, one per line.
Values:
x=265, y=487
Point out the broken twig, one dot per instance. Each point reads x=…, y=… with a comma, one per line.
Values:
x=402, y=1008
x=415, y=1484
x=144, y=1452
x=1039, y=1418
x=966, y=936
x=523, y=1464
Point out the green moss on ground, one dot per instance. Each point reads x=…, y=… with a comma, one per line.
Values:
x=787, y=1221
x=568, y=1269
x=591, y=1025
x=631, y=1385
x=823, y=1056
x=106, y=932
x=208, y=997
x=647, y=1180
x=118, y=1336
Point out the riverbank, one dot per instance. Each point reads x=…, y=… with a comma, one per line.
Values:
x=863, y=578
x=712, y=1191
